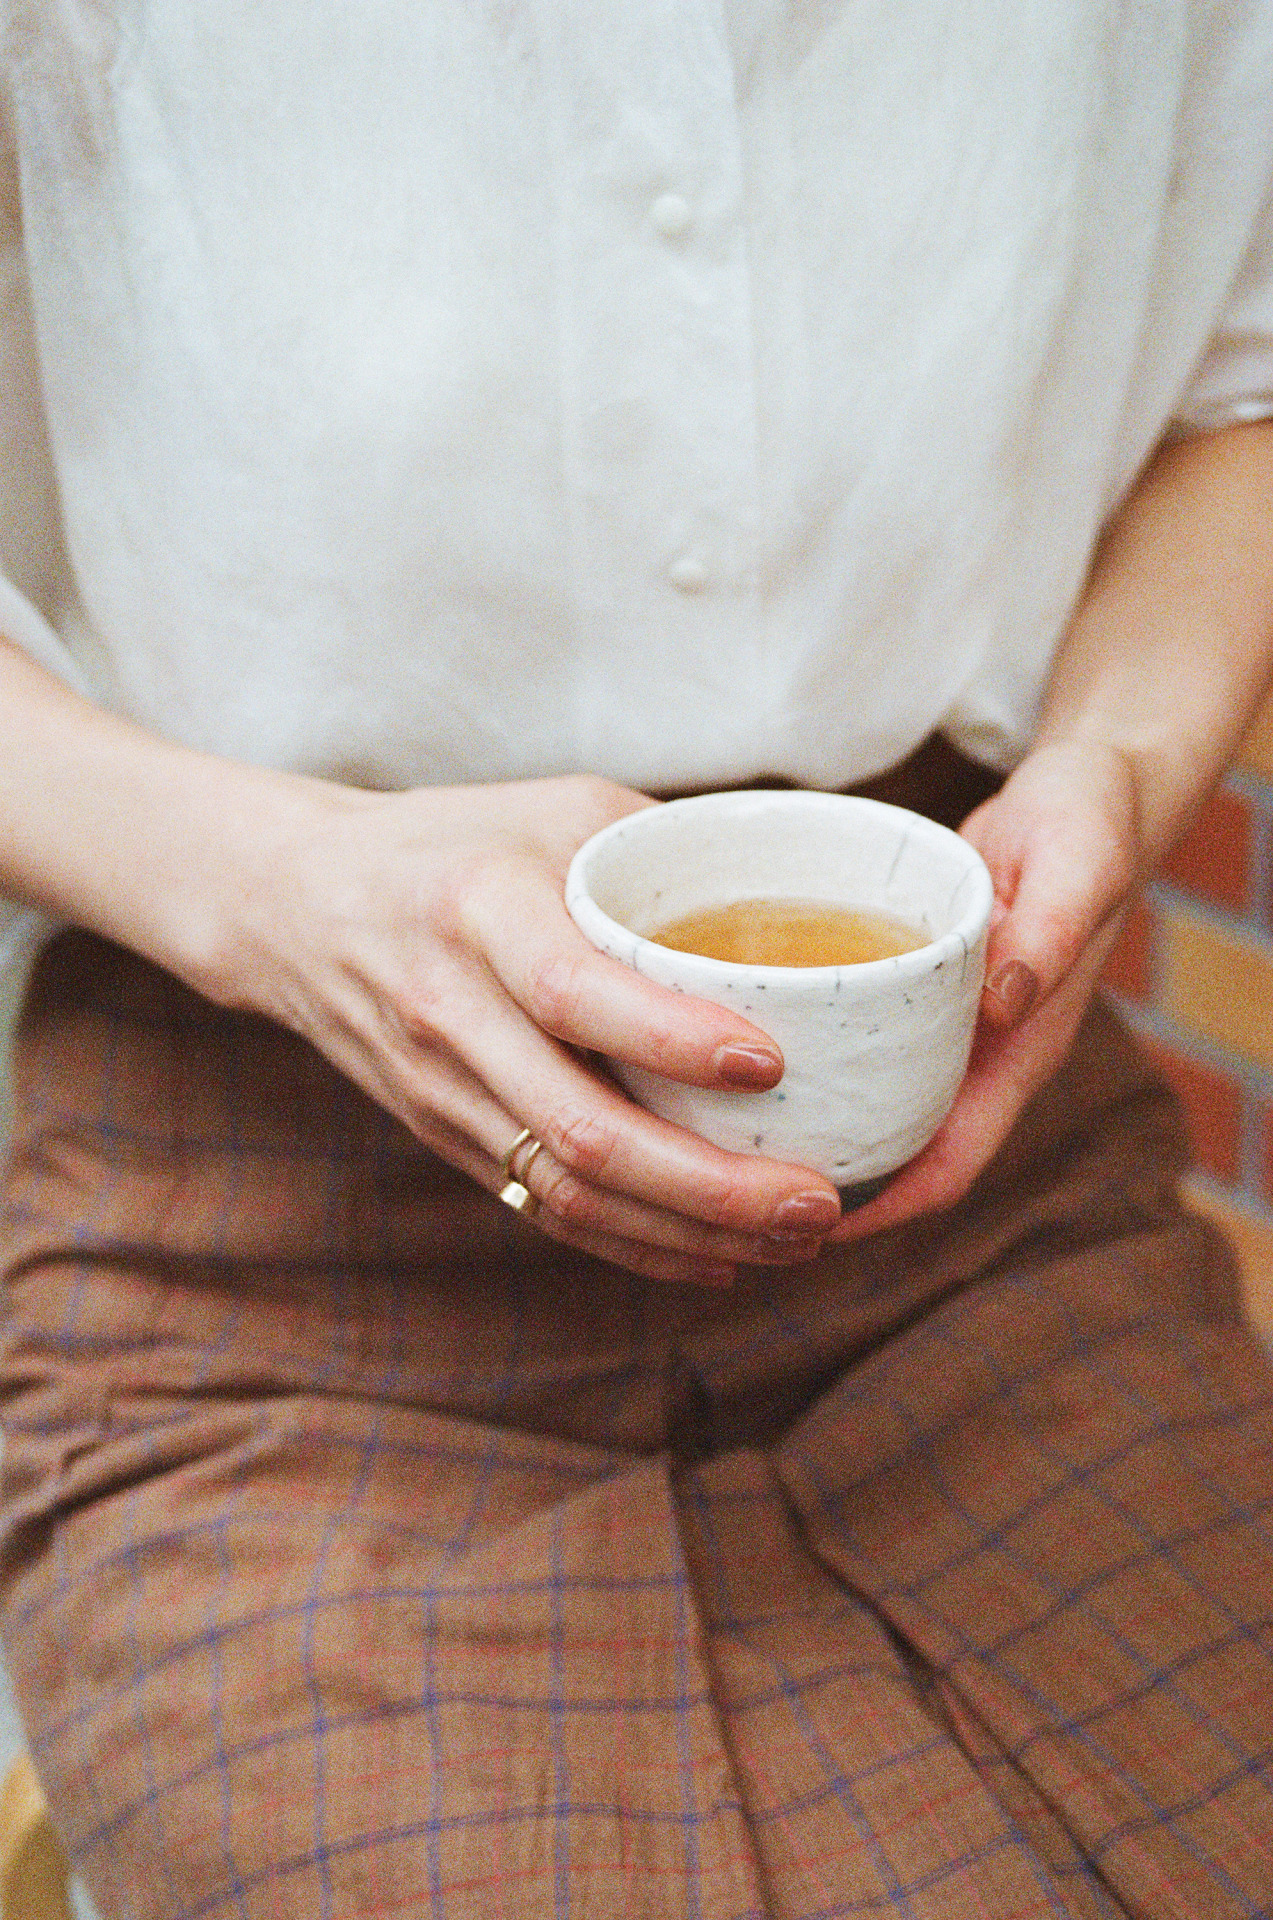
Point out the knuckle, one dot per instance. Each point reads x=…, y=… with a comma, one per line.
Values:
x=569, y=1199
x=471, y=884
x=599, y=800
x=552, y=993
x=723, y=1204
x=590, y=790
x=582, y=1142
x=422, y=1012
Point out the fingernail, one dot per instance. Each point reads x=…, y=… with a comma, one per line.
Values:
x=804, y=1214
x=739, y=1065
x=1015, y=987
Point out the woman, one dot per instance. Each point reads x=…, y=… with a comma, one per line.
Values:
x=467, y=426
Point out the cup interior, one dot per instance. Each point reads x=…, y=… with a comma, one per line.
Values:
x=690, y=855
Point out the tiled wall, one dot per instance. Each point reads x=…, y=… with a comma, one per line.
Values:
x=1194, y=974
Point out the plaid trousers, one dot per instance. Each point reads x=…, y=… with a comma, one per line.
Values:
x=363, y=1553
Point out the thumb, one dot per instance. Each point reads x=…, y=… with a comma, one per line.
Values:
x=1062, y=876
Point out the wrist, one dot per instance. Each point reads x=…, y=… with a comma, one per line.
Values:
x=1162, y=771
x=234, y=888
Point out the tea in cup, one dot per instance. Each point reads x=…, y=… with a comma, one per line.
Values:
x=852, y=932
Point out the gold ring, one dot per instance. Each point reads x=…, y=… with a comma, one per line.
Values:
x=515, y=1193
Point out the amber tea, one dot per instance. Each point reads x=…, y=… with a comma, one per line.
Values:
x=789, y=933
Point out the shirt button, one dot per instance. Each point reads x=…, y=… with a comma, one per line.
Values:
x=688, y=574
x=671, y=216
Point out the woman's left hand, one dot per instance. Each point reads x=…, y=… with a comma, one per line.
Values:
x=1062, y=844
x=1165, y=661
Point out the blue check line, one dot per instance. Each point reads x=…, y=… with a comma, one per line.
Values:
x=266, y=1518
x=689, y=1797
x=1075, y=1477
x=1117, y=1638
x=1132, y=1695
x=829, y=1410
x=818, y=1796
x=900, y=1902
x=1155, y=1545
x=1255, y=1764
x=418, y=1830
x=309, y=1609
x=557, y=1720
x=1050, y=1709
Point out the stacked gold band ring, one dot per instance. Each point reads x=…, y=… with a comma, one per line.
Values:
x=515, y=1193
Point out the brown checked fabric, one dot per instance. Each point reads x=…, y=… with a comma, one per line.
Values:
x=364, y=1554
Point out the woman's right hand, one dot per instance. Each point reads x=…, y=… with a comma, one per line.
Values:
x=420, y=941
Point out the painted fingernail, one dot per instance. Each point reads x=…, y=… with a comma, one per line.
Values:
x=1015, y=987
x=804, y=1214
x=739, y=1065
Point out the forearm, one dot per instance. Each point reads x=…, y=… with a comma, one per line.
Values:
x=1172, y=645
x=420, y=941
x=132, y=836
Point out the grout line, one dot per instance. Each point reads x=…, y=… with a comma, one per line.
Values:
x=1246, y=1074
x=1165, y=897
x=1257, y=1211
x=1250, y=785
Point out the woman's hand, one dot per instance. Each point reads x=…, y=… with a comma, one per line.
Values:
x=420, y=941
x=1062, y=844
x=1164, y=663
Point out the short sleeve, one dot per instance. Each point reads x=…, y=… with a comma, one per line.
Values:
x=1233, y=381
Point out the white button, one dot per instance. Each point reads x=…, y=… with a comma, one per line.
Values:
x=671, y=216
x=688, y=574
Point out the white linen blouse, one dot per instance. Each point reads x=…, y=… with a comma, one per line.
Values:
x=687, y=390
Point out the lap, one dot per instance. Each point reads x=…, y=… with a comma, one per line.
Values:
x=337, y=1579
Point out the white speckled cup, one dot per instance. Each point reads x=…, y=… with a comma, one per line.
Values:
x=874, y=1053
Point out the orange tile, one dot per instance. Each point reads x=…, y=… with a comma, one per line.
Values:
x=1213, y=1108
x=1130, y=967
x=1250, y=1232
x=1256, y=752
x=1213, y=859
x=1218, y=984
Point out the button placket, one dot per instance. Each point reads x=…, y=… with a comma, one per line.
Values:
x=660, y=422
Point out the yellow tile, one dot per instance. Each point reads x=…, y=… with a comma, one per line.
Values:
x=1218, y=984
x=1251, y=1234
x=1256, y=751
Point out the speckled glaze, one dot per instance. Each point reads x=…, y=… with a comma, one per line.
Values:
x=874, y=1053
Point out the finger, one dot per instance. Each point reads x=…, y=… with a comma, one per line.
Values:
x=454, y=1113
x=607, y=1141
x=942, y=1173
x=573, y=1203
x=649, y=1263
x=516, y=915
x=693, y=1265
x=1060, y=844
x=1007, y=1070
x=1066, y=900
x=590, y=1126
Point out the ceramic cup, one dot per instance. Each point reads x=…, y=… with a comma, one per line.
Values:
x=875, y=1052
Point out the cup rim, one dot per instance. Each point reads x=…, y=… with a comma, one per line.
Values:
x=968, y=929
